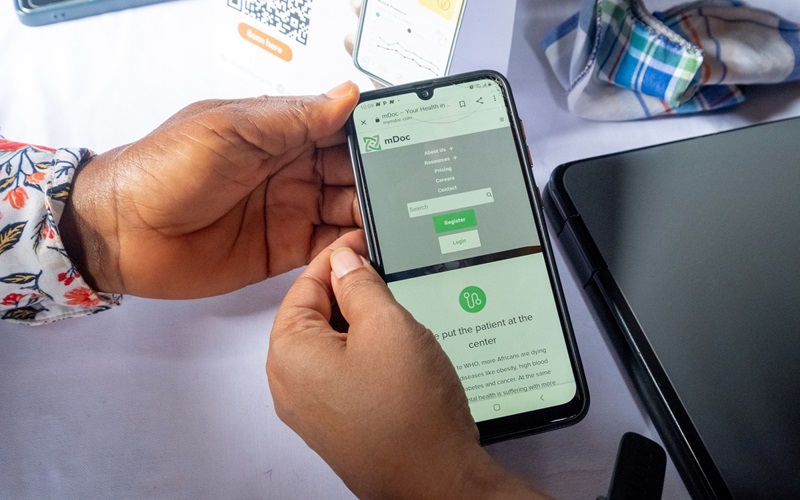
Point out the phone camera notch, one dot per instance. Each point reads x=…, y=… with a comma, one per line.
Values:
x=425, y=94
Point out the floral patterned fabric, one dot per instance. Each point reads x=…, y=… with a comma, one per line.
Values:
x=38, y=282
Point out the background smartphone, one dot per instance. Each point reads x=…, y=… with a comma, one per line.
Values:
x=401, y=41
x=41, y=12
x=454, y=224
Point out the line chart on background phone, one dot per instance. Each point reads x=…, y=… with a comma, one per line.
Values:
x=403, y=41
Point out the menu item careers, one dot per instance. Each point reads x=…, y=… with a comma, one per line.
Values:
x=455, y=228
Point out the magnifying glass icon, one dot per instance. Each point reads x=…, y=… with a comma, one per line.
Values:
x=489, y=194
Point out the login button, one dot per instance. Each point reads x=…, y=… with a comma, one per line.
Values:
x=459, y=241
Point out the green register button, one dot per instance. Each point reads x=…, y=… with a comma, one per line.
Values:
x=454, y=221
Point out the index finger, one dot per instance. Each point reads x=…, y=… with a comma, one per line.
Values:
x=335, y=166
x=309, y=302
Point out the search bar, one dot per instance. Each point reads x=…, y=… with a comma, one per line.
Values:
x=450, y=202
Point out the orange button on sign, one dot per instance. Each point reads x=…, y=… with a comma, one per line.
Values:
x=265, y=41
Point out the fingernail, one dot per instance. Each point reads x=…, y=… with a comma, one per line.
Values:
x=344, y=260
x=340, y=91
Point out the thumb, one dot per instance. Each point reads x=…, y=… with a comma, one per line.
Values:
x=360, y=292
x=298, y=120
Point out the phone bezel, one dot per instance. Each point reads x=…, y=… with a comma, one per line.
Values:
x=524, y=423
x=35, y=5
x=380, y=79
x=66, y=10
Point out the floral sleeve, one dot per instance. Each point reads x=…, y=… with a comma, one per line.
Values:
x=38, y=282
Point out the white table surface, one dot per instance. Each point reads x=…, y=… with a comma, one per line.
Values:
x=161, y=399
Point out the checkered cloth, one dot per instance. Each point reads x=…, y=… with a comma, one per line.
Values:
x=618, y=61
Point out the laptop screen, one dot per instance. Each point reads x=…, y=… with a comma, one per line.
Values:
x=702, y=237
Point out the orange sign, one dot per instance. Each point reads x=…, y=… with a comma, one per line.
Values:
x=266, y=42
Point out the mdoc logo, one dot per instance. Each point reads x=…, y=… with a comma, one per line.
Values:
x=372, y=143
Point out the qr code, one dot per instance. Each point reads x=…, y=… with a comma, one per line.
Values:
x=289, y=17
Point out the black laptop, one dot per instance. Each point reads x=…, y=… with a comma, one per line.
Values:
x=690, y=254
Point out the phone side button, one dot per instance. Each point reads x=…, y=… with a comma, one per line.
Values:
x=522, y=128
x=530, y=158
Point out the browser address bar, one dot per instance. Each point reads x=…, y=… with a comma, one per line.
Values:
x=450, y=202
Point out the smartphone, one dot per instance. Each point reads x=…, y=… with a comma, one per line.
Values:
x=41, y=12
x=401, y=41
x=454, y=225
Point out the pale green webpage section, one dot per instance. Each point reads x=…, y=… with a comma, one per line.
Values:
x=510, y=355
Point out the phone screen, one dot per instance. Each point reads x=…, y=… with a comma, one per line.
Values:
x=402, y=41
x=452, y=227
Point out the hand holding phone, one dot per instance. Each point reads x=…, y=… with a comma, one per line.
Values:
x=454, y=225
x=383, y=398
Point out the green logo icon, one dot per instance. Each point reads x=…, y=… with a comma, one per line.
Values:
x=472, y=299
x=372, y=143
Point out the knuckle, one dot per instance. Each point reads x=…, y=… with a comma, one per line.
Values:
x=358, y=286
